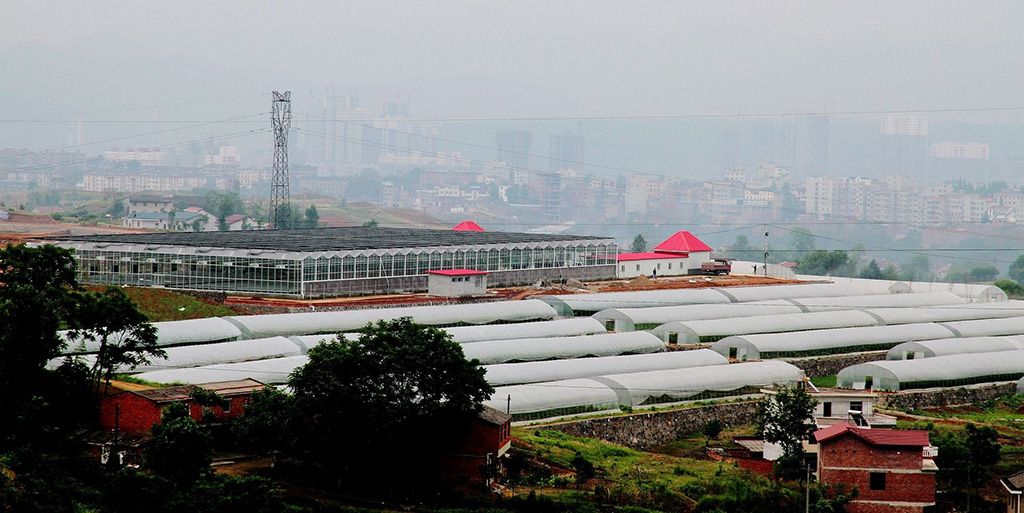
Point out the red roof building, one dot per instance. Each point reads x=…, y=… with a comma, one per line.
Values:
x=135, y=411
x=488, y=437
x=682, y=242
x=468, y=226
x=893, y=470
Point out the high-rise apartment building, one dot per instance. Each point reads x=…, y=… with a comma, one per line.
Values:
x=514, y=149
x=905, y=146
x=565, y=152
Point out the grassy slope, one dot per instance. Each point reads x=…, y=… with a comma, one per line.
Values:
x=165, y=305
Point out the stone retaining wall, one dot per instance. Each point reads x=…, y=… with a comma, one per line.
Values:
x=206, y=295
x=829, y=365
x=915, y=400
x=646, y=430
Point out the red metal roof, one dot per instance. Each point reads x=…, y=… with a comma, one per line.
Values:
x=468, y=226
x=627, y=257
x=899, y=437
x=682, y=242
x=457, y=272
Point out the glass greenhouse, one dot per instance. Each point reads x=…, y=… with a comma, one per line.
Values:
x=332, y=261
x=554, y=370
x=940, y=371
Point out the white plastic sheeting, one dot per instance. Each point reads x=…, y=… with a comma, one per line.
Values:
x=926, y=299
x=933, y=348
x=172, y=333
x=314, y=323
x=271, y=372
x=640, y=388
x=988, y=327
x=769, y=292
x=820, y=342
x=972, y=292
x=554, y=348
x=940, y=371
x=553, y=399
x=222, y=352
x=577, y=304
x=627, y=319
x=694, y=332
x=534, y=372
x=559, y=328
x=916, y=315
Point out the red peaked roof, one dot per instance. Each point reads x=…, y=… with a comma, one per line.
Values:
x=468, y=226
x=682, y=242
x=898, y=437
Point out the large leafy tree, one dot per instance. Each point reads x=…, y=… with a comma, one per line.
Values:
x=1016, y=271
x=639, y=244
x=125, y=337
x=787, y=418
x=362, y=400
x=181, y=450
x=826, y=263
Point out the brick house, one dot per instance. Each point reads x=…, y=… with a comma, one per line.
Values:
x=134, y=411
x=488, y=438
x=893, y=470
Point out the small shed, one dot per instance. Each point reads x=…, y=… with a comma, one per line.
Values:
x=457, y=283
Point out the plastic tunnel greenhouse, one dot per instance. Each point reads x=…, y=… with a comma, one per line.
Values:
x=940, y=371
x=949, y=346
x=554, y=399
x=314, y=323
x=698, y=332
x=555, y=348
x=800, y=344
x=630, y=319
x=667, y=386
x=555, y=370
x=173, y=333
x=274, y=371
x=988, y=327
x=587, y=304
x=559, y=328
x=223, y=352
x=927, y=299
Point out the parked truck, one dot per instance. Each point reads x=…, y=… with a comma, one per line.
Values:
x=715, y=267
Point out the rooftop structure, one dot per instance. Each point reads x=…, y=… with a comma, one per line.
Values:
x=333, y=261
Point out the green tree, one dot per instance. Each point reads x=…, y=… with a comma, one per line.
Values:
x=269, y=423
x=1010, y=287
x=360, y=399
x=825, y=263
x=983, y=273
x=1016, y=272
x=311, y=217
x=372, y=223
x=199, y=223
x=180, y=450
x=787, y=418
x=712, y=429
x=872, y=271
x=639, y=244
x=966, y=457
x=584, y=469
x=802, y=239
x=126, y=338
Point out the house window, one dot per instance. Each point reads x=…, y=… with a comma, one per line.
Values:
x=857, y=406
x=877, y=481
x=670, y=265
x=826, y=409
x=623, y=268
x=226, y=406
x=659, y=266
x=637, y=267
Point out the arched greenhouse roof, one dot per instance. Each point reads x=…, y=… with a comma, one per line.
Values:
x=794, y=291
x=798, y=344
x=271, y=372
x=586, y=304
x=554, y=370
x=555, y=348
x=314, y=323
x=654, y=387
x=541, y=329
x=693, y=332
x=553, y=399
x=917, y=315
x=988, y=327
x=627, y=319
x=222, y=352
x=933, y=348
x=174, y=333
x=940, y=371
x=879, y=301
x=972, y=292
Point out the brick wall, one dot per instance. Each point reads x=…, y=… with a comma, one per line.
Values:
x=856, y=459
x=136, y=415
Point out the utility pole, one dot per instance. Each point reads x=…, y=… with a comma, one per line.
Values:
x=280, y=197
x=807, y=494
x=765, y=251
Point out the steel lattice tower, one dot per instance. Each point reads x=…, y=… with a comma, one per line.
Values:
x=280, y=198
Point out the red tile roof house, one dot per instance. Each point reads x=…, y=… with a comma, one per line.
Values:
x=675, y=256
x=135, y=411
x=488, y=438
x=893, y=470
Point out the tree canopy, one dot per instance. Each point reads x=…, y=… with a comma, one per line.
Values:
x=639, y=244
x=826, y=263
x=787, y=418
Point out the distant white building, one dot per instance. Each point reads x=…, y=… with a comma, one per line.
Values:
x=673, y=257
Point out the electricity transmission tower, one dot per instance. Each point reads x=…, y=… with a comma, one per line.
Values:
x=280, y=198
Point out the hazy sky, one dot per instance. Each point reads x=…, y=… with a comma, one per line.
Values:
x=604, y=57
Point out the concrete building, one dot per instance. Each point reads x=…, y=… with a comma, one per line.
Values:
x=675, y=256
x=457, y=283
